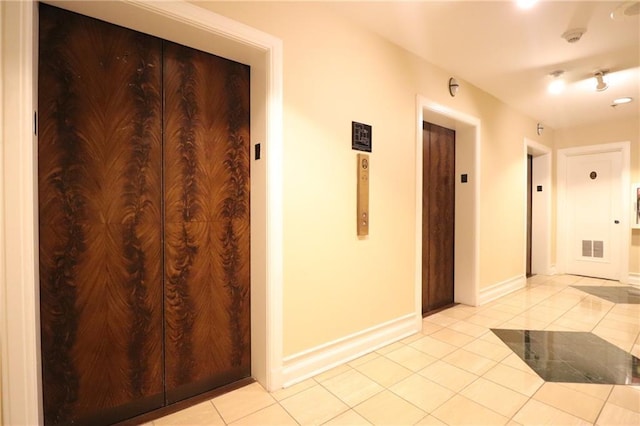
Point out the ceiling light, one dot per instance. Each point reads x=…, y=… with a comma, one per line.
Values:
x=601, y=84
x=526, y=4
x=621, y=101
x=557, y=84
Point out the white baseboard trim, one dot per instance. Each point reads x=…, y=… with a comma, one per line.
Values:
x=634, y=279
x=502, y=289
x=309, y=363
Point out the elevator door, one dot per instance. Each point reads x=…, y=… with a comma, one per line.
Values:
x=143, y=175
x=438, y=204
x=206, y=196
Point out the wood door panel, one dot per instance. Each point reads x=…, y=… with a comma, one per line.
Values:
x=206, y=191
x=99, y=155
x=438, y=216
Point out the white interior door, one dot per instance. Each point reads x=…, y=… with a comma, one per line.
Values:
x=594, y=214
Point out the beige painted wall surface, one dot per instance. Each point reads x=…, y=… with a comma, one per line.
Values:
x=334, y=283
x=601, y=133
x=2, y=297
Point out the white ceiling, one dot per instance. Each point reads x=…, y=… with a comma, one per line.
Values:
x=509, y=52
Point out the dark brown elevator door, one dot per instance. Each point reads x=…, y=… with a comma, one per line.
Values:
x=144, y=228
x=438, y=204
x=207, y=332
x=99, y=177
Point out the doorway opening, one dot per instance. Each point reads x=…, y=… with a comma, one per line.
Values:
x=467, y=195
x=529, y=214
x=537, y=256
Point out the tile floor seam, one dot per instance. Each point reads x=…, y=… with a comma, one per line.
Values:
x=600, y=320
x=603, y=405
x=345, y=402
x=617, y=404
x=489, y=408
x=248, y=414
x=217, y=411
x=419, y=408
x=438, y=418
x=562, y=410
x=580, y=417
x=332, y=418
x=524, y=394
x=529, y=399
x=289, y=414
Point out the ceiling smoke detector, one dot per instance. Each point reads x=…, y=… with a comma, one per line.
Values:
x=574, y=35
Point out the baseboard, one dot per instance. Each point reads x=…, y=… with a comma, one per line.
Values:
x=634, y=279
x=502, y=289
x=314, y=361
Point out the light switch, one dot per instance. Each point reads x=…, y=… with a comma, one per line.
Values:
x=363, y=195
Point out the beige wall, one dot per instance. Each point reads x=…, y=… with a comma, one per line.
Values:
x=600, y=133
x=334, y=73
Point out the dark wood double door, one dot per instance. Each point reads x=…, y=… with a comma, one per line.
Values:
x=143, y=220
x=438, y=220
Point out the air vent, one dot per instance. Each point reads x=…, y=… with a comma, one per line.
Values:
x=592, y=248
x=598, y=249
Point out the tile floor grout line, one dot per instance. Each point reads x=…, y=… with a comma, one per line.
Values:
x=217, y=411
x=604, y=404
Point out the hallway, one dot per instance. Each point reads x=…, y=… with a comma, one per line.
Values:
x=457, y=371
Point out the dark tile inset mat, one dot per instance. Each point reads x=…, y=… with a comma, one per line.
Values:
x=573, y=357
x=625, y=294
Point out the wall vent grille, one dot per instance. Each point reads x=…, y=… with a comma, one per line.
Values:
x=598, y=249
x=592, y=248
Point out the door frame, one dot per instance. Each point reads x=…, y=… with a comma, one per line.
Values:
x=19, y=290
x=541, y=204
x=563, y=155
x=467, y=212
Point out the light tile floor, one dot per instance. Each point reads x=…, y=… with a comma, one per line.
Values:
x=456, y=372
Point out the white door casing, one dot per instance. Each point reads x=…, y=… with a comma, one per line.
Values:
x=541, y=207
x=593, y=225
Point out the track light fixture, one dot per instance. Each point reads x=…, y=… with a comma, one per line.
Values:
x=601, y=85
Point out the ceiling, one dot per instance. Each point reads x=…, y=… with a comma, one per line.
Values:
x=510, y=52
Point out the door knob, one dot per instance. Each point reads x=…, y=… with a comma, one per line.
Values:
x=616, y=221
